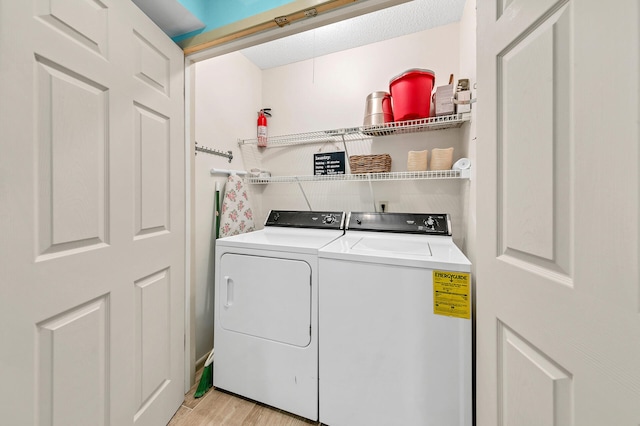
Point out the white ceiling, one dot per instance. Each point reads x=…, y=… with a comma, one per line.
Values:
x=406, y=18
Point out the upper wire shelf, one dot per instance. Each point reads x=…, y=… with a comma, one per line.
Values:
x=366, y=132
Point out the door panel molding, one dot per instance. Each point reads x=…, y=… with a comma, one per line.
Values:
x=152, y=341
x=84, y=21
x=152, y=166
x=151, y=65
x=531, y=385
x=73, y=175
x=73, y=364
x=534, y=141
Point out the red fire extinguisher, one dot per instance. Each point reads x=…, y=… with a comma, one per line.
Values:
x=262, y=126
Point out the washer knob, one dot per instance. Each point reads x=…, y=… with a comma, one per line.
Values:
x=329, y=219
x=431, y=223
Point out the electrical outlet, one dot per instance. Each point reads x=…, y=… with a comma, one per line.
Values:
x=383, y=206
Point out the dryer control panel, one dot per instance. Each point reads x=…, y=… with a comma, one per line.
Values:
x=306, y=219
x=407, y=223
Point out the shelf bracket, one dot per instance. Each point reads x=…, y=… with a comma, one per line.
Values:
x=303, y=194
x=346, y=153
x=373, y=198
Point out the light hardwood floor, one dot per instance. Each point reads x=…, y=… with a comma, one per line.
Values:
x=219, y=408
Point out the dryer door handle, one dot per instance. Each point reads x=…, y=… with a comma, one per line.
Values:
x=229, y=301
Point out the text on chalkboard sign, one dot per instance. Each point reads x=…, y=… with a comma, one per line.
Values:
x=329, y=163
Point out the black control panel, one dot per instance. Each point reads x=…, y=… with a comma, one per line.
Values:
x=306, y=219
x=407, y=223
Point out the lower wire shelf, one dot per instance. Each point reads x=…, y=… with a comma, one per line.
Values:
x=364, y=177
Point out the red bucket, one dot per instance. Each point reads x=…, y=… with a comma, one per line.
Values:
x=411, y=94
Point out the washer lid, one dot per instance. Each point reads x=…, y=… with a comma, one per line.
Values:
x=383, y=248
x=392, y=247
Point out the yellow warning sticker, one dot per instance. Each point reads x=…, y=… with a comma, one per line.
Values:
x=451, y=294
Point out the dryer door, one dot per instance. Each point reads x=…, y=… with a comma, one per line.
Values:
x=266, y=297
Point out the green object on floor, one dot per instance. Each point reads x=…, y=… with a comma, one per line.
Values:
x=217, y=212
x=206, y=380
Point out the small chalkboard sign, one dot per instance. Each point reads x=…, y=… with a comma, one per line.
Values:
x=329, y=163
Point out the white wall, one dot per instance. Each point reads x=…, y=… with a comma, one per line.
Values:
x=228, y=91
x=329, y=92
x=468, y=69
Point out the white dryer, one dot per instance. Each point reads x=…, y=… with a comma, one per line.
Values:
x=395, y=328
x=265, y=327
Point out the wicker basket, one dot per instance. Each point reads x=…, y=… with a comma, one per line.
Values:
x=370, y=163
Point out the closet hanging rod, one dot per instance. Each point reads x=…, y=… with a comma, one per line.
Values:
x=227, y=172
x=227, y=154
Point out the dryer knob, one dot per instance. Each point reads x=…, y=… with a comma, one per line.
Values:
x=329, y=219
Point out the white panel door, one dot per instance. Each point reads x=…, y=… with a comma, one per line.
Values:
x=558, y=288
x=91, y=215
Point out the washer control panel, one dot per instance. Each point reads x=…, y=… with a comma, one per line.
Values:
x=407, y=223
x=306, y=219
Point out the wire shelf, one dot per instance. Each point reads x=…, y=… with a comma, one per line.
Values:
x=365, y=132
x=364, y=177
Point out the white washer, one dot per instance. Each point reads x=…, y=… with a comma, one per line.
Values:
x=266, y=328
x=385, y=357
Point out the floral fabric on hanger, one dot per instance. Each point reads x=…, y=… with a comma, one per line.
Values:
x=237, y=216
